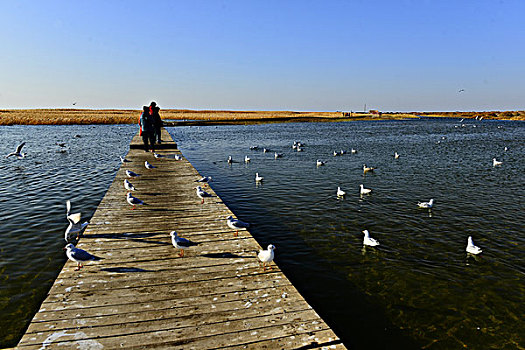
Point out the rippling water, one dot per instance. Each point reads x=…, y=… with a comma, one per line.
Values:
x=33, y=192
x=418, y=288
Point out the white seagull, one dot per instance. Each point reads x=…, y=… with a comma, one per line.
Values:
x=496, y=162
x=133, y=200
x=18, y=153
x=79, y=255
x=336, y=153
x=266, y=256
x=180, y=243
x=201, y=193
x=246, y=159
x=354, y=151
x=471, y=248
x=130, y=173
x=148, y=165
x=340, y=192
x=278, y=155
x=236, y=224
x=124, y=160
x=75, y=226
x=426, y=205
x=204, y=180
x=128, y=185
x=230, y=159
x=396, y=155
x=177, y=157
x=258, y=178
x=320, y=162
x=367, y=169
x=365, y=190
x=369, y=241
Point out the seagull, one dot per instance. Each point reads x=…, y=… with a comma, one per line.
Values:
x=367, y=169
x=18, y=153
x=369, y=241
x=180, y=243
x=201, y=193
x=74, y=103
x=342, y=152
x=79, y=255
x=61, y=144
x=246, y=159
x=258, y=178
x=157, y=156
x=396, y=155
x=426, y=205
x=506, y=149
x=278, y=155
x=128, y=185
x=294, y=146
x=254, y=148
x=354, y=151
x=496, y=162
x=266, y=256
x=365, y=190
x=124, y=160
x=130, y=173
x=236, y=224
x=230, y=160
x=299, y=149
x=177, y=157
x=471, y=248
x=204, y=180
x=335, y=153
x=148, y=165
x=461, y=90
x=320, y=162
x=133, y=200
x=340, y=192
x=265, y=150
x=75, y=226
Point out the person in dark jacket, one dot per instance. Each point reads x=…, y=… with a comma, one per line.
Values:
x=157, y=121
x=148, y=132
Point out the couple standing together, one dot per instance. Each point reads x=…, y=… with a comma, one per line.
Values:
x=150, y=124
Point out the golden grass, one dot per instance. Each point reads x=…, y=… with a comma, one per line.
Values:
x=112, y=116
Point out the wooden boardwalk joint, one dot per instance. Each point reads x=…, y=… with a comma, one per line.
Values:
x=143, y=295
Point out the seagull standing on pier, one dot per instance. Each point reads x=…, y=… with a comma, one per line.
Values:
x=18, y=153
x=133, y=201
x=236, y=224
x=148, y=165
x=201, y=193
x=266, y=256
x=128, y=185
x=75, y=226
x=205, y=180
x=130, y=173
x=180, y=243
x=124, y=160
x=79, y=255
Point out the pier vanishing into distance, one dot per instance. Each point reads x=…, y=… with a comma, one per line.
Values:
x=142, y=294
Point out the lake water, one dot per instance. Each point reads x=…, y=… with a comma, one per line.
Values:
x=417, y=289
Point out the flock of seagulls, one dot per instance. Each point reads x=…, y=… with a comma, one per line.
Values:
x=81, y=256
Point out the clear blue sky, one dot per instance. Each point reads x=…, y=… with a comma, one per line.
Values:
x=410, y=55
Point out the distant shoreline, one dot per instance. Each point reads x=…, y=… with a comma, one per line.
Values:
x=179, y=117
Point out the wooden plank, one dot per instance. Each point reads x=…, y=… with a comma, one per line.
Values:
x=144, y=295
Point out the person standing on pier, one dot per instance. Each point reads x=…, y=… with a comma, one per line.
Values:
x=157, y=121
x=146, y=129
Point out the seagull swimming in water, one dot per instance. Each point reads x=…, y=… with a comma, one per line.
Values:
x=246, y=159
x=79, y=255
x=340, y=192
x=320, y=162
x=128, y=185
x=18, y=153
x=201, y=193
x=75, y=226
x=396, y=155
x=148, y=165
x=236, y=224
x=471, y=248
x=266, y=256
x=258, y=178
x=278, y=155
x=365, y=190
x=426, y=205
x=180, y=243
x=496, y=162
x=130, y=173
x=367, y=169
x=230, y=159
x=369, y=241
x=133, y=200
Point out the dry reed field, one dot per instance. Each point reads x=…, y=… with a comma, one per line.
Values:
x=113, y=116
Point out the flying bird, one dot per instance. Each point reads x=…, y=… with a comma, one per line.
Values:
x=79, y=255
x=18, y=153
x=180, y=243
x=461, y=90
x=266, y=256
x=75, y=226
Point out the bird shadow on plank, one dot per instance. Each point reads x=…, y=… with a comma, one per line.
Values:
x=226, y=255
x=124, y=269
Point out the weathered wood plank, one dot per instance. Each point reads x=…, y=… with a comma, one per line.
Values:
x=144, y=295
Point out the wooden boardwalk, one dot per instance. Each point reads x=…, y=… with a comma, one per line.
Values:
x=143, y=295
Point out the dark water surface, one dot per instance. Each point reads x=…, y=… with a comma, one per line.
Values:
x=33, y=192
x=418, y=288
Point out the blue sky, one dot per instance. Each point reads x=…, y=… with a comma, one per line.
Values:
x=264, y=55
